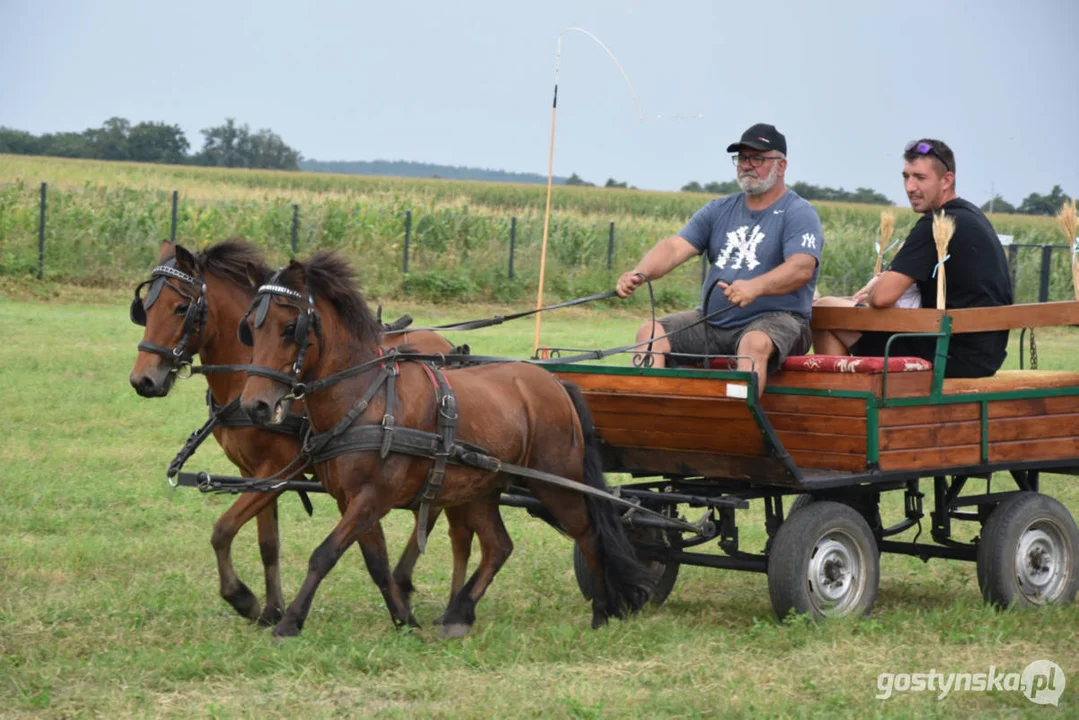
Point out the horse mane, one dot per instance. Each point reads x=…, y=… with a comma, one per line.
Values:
x=233, y=259
x=331, y=277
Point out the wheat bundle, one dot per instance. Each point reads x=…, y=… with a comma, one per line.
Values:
x=887, y=225
x=1069, y=224
x=943, y=229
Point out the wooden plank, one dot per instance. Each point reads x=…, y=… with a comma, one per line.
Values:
x=903, y=384
x=813, y=405
x=1012, y=380
x=650, y=384
x=742, y=427
x=842, y=444
x=1022, y=450
x=931, y=458
x=1034, y=428
x=717, y=443
x=894, y=417
x=735, y=467
x=818, y=423
x=865, y=319
x=667, y=405
x=1033, y=406
x=1013, y=317
x=908, y=437
x=828, y=461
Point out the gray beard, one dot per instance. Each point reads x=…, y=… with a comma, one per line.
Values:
x=755, y=186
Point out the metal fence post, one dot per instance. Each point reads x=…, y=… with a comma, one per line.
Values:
x=172, y=227
x=1013, y=263
x=408, y=233
x=295, y=226
x=41, y=235
x=1047, y=260
x=610, y=246
x=513, y=242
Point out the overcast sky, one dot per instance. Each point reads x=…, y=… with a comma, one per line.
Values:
x=469, y=83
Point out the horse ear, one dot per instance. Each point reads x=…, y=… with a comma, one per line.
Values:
x=185, y=261
x=166, y=251
x=296, y=271
x=252, y=275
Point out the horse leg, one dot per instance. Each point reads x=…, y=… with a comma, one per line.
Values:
x=360, y=514
x=270, y=551
x=483, y=517
x=232, y=589
x=402, y=573
x=373, y=545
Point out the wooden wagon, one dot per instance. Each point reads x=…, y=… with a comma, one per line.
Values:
x=834, y=442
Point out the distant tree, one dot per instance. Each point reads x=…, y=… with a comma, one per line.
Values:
x=67, y=144
x=998, y=205
x=109, y=142
x=729, y=187
x=232, y=145
x=1035, y=204
x=612, y=183
x=692, y=186
x=20, y=142
x=575, y=179
x=157, y=143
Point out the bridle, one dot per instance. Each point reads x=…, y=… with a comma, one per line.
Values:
x=194, y=317
x=308, y=320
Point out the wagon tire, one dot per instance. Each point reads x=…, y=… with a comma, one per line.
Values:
x=1028, y=554
x=824, y=561
x=666, y=574
x=799, y=502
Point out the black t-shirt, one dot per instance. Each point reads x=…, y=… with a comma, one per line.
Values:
x=976, y=275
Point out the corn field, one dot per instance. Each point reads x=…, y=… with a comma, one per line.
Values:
x=104, y=222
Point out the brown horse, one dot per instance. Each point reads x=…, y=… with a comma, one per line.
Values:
x=313, y=333
x=194, y=304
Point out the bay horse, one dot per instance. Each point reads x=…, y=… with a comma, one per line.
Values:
x=314, y=336
x=193, y=305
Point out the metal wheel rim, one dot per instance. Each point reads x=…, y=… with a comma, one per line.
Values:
x=836, y=574
x=1041, y=562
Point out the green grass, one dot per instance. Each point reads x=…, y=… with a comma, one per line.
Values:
x=108, y=590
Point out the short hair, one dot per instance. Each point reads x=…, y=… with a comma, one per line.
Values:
x=941, y=153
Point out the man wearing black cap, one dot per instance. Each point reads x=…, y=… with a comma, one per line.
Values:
x=764, y=247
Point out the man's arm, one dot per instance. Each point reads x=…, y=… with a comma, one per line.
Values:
x=669, y=253
x=885, y=289
x=795, y=272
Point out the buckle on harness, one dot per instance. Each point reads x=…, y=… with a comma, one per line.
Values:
x=448, y=407
x=183, y=370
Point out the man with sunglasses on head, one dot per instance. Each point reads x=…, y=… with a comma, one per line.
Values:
x=977, y=269
x=763, y=247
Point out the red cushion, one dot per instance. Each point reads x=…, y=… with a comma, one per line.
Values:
x=841, y=364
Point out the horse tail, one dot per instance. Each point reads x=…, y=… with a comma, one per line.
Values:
x=629, y=584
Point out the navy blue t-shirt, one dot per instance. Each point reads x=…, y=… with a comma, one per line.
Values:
x=741, y=244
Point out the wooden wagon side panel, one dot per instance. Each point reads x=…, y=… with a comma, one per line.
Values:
x=928, y=437
x=1044, y=428
x=820, y=431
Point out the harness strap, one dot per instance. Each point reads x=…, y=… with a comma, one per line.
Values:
x=446, y=407
x=199, y=436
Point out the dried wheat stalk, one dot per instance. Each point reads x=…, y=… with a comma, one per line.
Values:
x=943, y=229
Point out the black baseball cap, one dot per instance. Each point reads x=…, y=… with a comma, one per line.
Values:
x=761, y=137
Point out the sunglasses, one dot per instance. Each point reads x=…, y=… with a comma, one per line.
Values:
x=924, y=148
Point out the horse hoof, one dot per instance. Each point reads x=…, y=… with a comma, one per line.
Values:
x=283, y=631
x=270, y=617
x=598, y=621
x=454, y=630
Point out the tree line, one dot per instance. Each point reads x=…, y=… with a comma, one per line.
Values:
x=227, y=145
x=1033, y=204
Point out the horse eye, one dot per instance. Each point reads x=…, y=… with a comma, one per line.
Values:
x=180, y=310
x=289, y=330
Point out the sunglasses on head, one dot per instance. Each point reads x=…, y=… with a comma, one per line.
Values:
x=924, y=148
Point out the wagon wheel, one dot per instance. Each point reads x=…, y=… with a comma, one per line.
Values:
x=824, y=562
x=799, y=502
x=666, y=573
x=1029, y=553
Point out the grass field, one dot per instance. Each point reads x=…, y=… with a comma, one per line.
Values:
x=108, y=591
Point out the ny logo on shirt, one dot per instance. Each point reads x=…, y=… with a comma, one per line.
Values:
x=745, y=248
